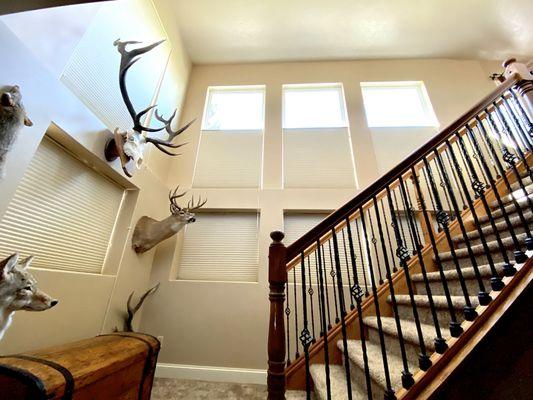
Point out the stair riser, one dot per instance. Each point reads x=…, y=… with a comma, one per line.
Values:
x=393, y=346
x=454, y=286
x=358, y=377
x=490, y=236
x=424, y=313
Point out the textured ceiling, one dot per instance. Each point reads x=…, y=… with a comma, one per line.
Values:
x=229, y=31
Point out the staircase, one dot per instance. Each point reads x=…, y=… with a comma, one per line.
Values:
x=390, y=291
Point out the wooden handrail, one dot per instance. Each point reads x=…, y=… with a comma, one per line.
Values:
x=353, y=205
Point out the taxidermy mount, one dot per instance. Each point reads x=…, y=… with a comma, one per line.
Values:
x=130, y=145
x=12, y=117
x=149, y=232
x=18, y=291
x=128, y=320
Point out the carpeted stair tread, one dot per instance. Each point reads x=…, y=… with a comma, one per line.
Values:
x=451, y=274
x=478, y=249
x=297, y=395
x=508, y=198
x=375, y=362
x=409, y=331
x=440, y=302
x=337, y=377
x=501, y=226
x=509, y=208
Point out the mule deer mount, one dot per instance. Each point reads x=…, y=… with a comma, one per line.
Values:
x=130, y=144
x=12, y=118
x=149, y=232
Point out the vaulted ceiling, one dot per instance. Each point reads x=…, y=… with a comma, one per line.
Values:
x=229, y=31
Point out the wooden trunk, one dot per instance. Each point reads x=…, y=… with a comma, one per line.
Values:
x=117, y=366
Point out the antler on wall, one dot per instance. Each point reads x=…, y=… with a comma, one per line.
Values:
x=132, y=309
x=129, y=145
x=149, y=232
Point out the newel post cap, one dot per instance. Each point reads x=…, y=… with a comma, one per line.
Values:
x=277, y=236
x=512, y=66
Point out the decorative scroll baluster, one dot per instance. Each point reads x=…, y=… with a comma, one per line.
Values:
x=317, y=269
x=440, y=343
x=288, y=316
x=322, y=273
x=407, y=377
x=343, y=314
x=311, y=292
x=297, y=354
x=524, y=136
x=390, y=248
x=305, y=335
x=404, y=256
x=357, y=293
x=333, y=274
x=352, y=306
x=389, y=393
x=456, y=170
x=362, y=257
x=323, y=260
x=374, y=242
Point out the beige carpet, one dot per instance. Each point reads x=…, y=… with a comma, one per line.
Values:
x=179, y=389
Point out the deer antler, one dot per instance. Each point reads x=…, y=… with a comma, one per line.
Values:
x=192, y=207
x=133, y=309
x=128, y=58
x=173, y=196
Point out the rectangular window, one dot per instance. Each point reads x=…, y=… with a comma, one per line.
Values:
x=317, y=151
x=221, y=246
x=397, y=104
x=231, y=144
x=62, y=212
x=297, y=224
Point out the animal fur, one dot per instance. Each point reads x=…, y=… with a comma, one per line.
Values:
x=18, y=291
x=12, y=117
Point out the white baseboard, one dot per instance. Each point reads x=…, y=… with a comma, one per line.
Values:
x=213, y=374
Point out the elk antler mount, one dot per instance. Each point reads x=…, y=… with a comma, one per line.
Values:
x=149, y=232
x=130, y=144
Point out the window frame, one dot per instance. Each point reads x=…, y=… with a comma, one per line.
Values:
x=425, y=102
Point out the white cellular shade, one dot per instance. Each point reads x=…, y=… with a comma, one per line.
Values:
x=237, y=108
x=318, y=159
x=221, y=247
x=63, y=213
x=229, y=160
x=397, y=104
x=297, y=224
x=313, y=106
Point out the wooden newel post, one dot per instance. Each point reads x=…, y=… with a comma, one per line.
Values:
x=277, y=278
x=524, y=86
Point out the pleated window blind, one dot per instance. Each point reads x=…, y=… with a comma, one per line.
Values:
x=316, y=141
x=297, y=224
x=221, y=247
x=63, y=213
x=231, y=144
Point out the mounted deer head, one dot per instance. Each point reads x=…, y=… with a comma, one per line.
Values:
x=130, y=145
x=149, y=232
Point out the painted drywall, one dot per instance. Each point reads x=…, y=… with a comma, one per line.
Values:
x=90, y=304
x=225, y=324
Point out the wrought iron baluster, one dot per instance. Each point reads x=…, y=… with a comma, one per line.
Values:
x=400, y=224
x=365, y=270
x=443, y=220
x=327, y=290
x=387, y=225
x=411, y=211
x=524, y=136
x=352, y=306
x=311, y=291
x=440, y=343
x=485, y=136
x=519, y=255
x=288, y=313
x=333, y=274
x=496, y=282
x=374, y=242
x=297, y=354
x=407, y=377
x=357, y=293
x=456, y=170
x=404, y=256
x=469, y=311
x=322, y=274
x=305, y=335
x=322, y=326
x=343, y=313
x=389, y=392
x=523, y=115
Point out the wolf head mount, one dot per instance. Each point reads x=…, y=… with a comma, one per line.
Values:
x=149, y=232
x=12, y=118
x=130, y=144
x=18, y=291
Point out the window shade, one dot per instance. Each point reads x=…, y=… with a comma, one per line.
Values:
x=221, y=247
x=63, y=213
x=318, y=159
x=297, y=224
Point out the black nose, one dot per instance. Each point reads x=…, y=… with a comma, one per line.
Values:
x=53, y=303
x=192, y=220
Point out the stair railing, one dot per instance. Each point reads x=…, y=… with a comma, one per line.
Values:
x=463, y=185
